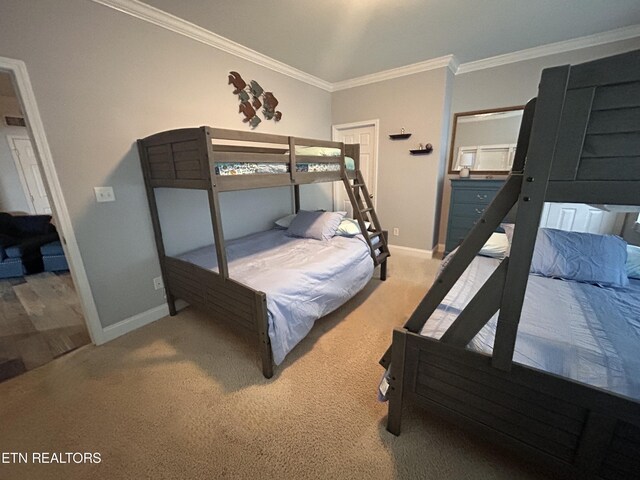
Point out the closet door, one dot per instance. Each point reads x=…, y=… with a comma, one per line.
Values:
x=579, y=217
x=366, y=135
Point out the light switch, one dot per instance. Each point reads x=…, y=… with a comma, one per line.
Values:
x=104, y=194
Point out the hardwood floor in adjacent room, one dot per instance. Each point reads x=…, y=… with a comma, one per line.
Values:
x=40, y=319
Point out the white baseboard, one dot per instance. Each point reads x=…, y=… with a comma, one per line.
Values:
x=417, y=251
x=140, y=320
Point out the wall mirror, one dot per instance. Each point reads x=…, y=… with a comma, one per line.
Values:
x=484, y=141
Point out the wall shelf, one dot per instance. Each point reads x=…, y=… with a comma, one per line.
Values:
x=428, y=148
x=399, y=136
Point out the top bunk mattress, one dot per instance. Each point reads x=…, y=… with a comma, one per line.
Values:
x=250, y=168
x=576, y=330
x=304, y=279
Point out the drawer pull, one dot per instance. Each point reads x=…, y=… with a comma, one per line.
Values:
x=478, y=211
x=482, y=196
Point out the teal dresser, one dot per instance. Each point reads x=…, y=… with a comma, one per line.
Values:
x=469, y=199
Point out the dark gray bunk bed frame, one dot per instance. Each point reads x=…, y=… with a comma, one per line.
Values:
x=579, y=142
x=186, y=159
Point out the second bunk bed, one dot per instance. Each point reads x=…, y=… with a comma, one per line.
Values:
x=547, y=366
x=273, y=284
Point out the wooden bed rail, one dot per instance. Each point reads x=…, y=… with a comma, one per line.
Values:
x=580, y=432
x=181, y=159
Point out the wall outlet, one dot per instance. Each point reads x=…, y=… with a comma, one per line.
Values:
x=396, y=231
x=158, y=283
x=104, y=194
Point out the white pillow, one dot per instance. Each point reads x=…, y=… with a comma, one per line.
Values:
x=496, y=247
x=284, y=222
x=349, y=227
x=633, y=261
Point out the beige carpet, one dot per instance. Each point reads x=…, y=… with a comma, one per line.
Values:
x=184, y=398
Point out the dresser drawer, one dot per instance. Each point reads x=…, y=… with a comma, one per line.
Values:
x=455, y=237
x=468, y=210
x=475, y=196
x=463, y=222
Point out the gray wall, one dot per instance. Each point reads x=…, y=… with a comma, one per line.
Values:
x=12, y=197
x=408, y=186
x=102, y=79
x=513, y=84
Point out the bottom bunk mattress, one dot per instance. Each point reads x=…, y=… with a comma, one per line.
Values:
x=588, y=333
x=304, y=279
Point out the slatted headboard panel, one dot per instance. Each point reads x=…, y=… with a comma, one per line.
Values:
x=178, y=160
x=598, y=145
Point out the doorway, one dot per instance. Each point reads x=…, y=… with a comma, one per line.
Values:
x=29, y=173
x=46, y=305
x=366, y=134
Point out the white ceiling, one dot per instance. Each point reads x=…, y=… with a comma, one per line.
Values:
x=336, y=40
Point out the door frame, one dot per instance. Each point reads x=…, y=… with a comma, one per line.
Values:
x=17, y=69
x=375, y=123
x=16, y=160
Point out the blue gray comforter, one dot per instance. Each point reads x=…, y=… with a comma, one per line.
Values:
x=304, y=279
x=577, y=330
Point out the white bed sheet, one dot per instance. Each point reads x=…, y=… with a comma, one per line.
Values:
x=577, y=330
x=304, y=279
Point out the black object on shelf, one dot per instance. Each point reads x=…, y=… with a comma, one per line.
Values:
x=428, y=148
x=399, y=136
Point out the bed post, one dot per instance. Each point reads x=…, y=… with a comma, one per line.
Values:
x=262, y=321
x=353, y=150
x=544, y=136
x=292, y=160
x=157, y=231
x=214, y=206
x=383, y=265
x=296, y=198
x=396, y=381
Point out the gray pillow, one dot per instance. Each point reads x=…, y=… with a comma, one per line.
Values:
x=318, y=225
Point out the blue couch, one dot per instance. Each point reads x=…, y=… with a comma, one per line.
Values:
x=20, y=240
x=53, y=258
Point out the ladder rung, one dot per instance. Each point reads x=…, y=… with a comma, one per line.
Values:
x=366, y=210
x=374, y=234
x=380, y=258
x=355, y=185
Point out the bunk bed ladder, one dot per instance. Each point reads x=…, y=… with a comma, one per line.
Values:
x=364, y=211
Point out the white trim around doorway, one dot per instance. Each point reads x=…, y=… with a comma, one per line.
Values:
x=18, y=71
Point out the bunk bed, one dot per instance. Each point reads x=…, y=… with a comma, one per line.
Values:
x=579, y=142
x=218, y=160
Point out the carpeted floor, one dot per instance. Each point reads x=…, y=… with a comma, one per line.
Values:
x=184, y=398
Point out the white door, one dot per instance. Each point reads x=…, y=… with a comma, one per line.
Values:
x=366, y=134
x=579, y=217
x=29, y=173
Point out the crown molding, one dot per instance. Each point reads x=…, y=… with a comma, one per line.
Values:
x=448, y=61
x=611, y=36
x=177, y=25
x=170, y=22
